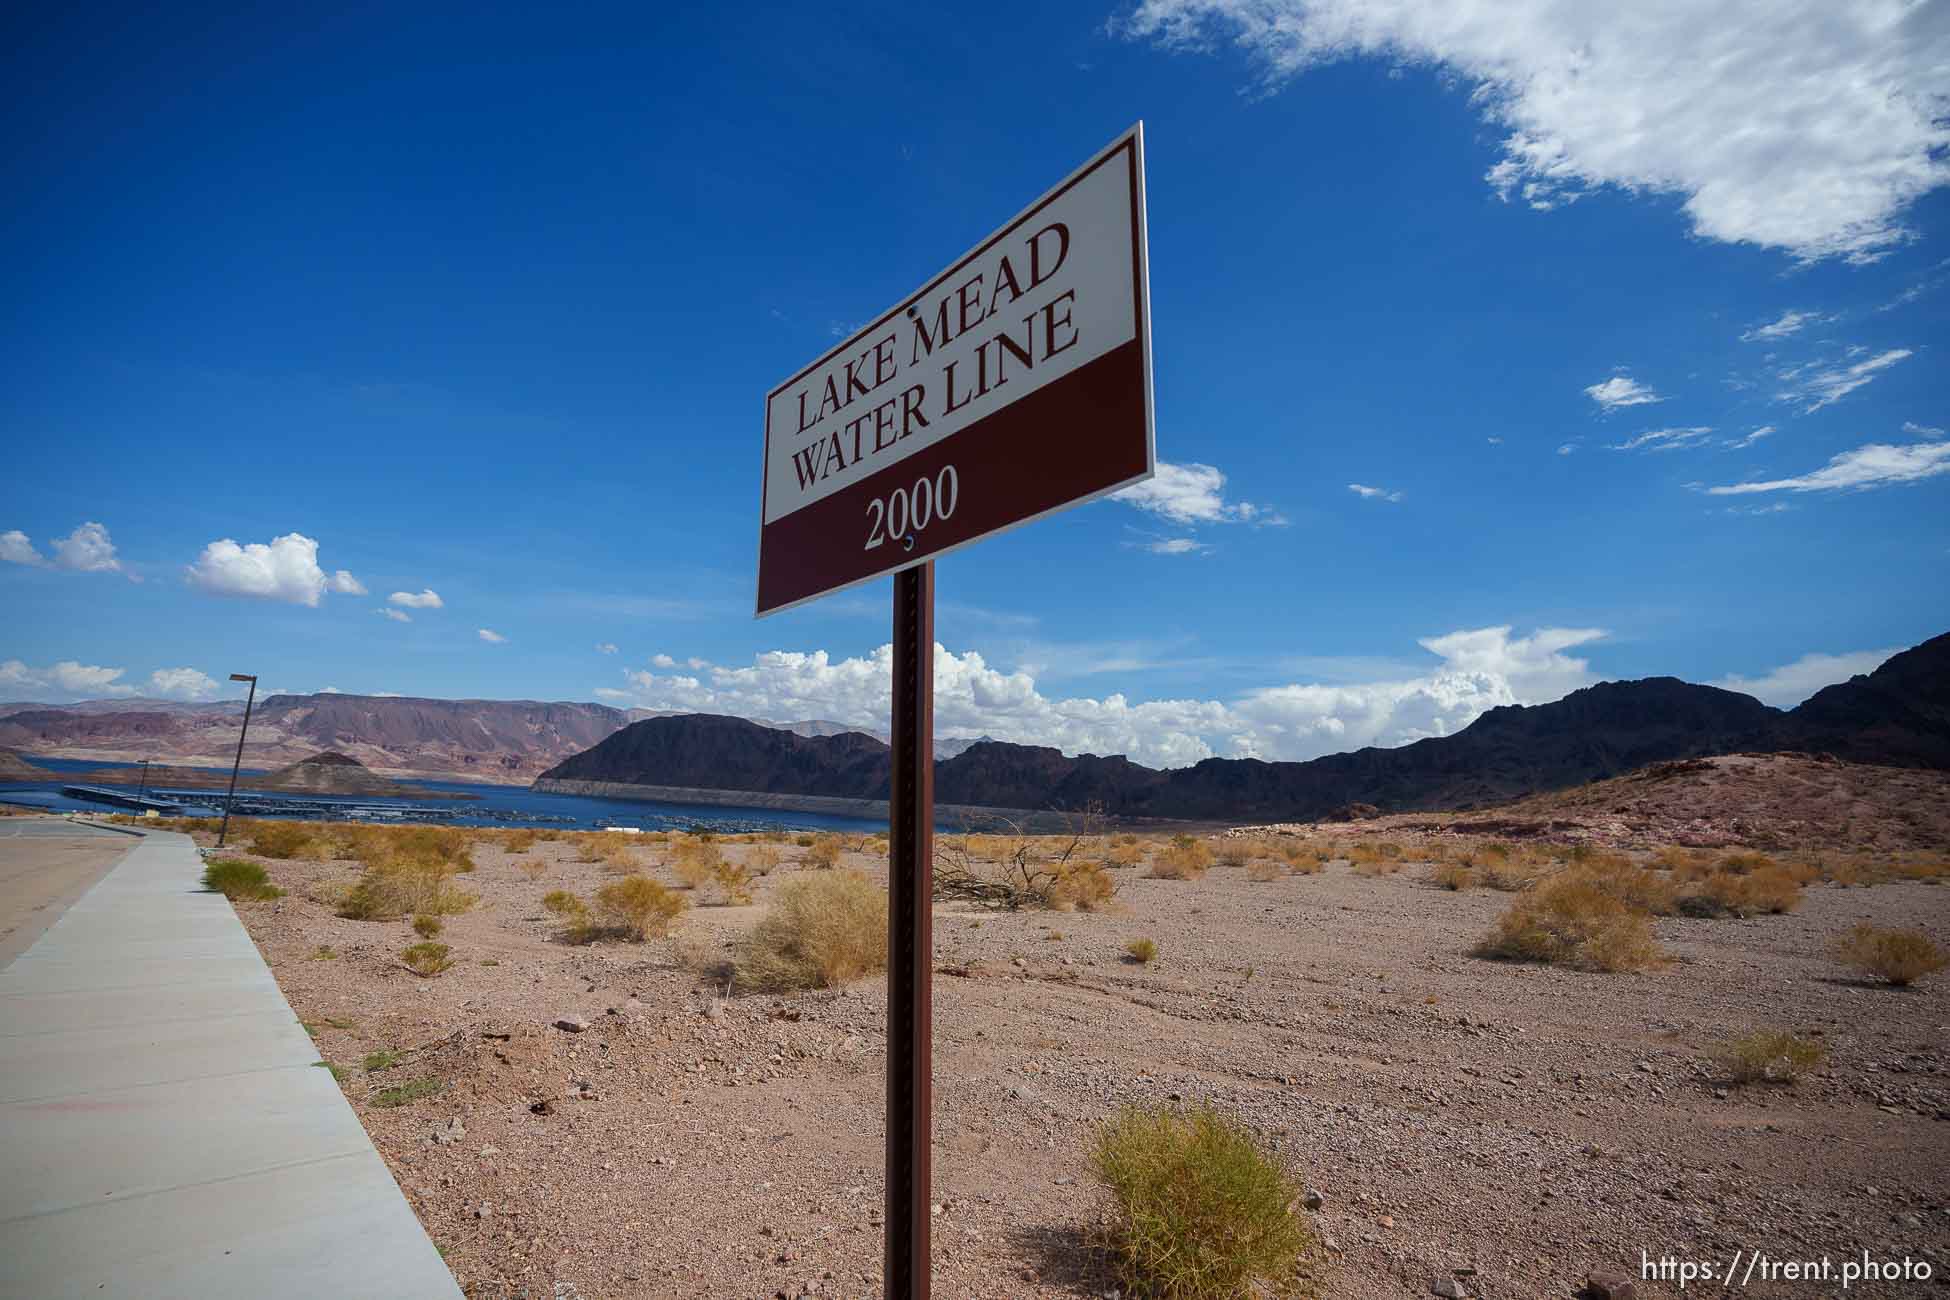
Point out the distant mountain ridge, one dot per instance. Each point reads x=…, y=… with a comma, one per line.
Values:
x=1897, y=716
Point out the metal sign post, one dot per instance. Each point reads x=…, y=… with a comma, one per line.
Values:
x=910, y=939
x=1014, y=384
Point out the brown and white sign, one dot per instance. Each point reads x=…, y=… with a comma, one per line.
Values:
x=1013, y=384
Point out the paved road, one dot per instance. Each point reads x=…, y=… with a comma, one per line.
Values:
x=164, y=1130
x=46, y=863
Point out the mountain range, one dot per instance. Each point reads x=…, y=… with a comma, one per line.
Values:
x=1897, y=716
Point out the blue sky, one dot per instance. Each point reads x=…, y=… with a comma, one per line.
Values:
x=1544, y=353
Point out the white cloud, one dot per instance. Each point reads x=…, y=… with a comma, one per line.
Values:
x=17, y=548
x=1495, y=441
x=397, y=615
x=1176, y=546
x=1621, y=391
x=427, y=599
x=1790, y=684
x=286, y=569
x=1801, y=125
x=86, y=550
x=1367, y=493
x=1194, y=494
x=662, y=661
x=1664, y=439
x=1474, y=671
x=183, y=684
x=66, y=679
x=1790, y=322
x=1566, y=448
x=1935, y=279
x=1915, y=430
x=1825, y=387
x=489, y=635
x=605, y=647
x=1764, y=431
x=346, y=585
x=1871, y=466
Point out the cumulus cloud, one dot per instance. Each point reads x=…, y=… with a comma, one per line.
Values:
x=1367, y=493
x=490, y=636
x=1194, y=494
x=427, y=599
x=346, y=585
x=284, y=569
x=662, y=661
x=183, y=684
x=605, y=647
x=1621, y=391
x=66, y=679
x=1790, y=322
x=397, y=615
x=1471, y=671
x=1664, y=439
x=17, y=548
x=1872, y=466
x=86, y=550
x=1788, y=685
x=1820, y=386
x=1800, y=125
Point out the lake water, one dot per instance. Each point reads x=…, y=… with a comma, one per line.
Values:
x=495, y=805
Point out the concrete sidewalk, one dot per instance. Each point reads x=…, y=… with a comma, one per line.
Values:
x=164, y=1129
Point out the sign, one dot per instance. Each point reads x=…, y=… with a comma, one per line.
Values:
x=1011, y=385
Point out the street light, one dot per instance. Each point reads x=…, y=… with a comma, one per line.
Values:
x=232, y=797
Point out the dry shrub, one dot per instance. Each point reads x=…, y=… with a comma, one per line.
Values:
x=763, y=860
x=428, y=927
x=696, y=861
x=1510, y=872
x=1637, y=888
x=817, y=932
x=1183, y=859
x=1899, y=957
x=1261, y=870
x=1082, y=887
x=1237, y=852
x=1724, y=893
x=1372, y=864
x=280, y=839
x=1202, y=1213
x=427, y=959
x=633, y=909
x=822, y=851
x=1143, y=951
x=1122, y=854
x=518, y=841
x=1308, y=863
x=1742, y=863
x=1572, y=921
x=390, y=889
x=1452, y=875
x=239, y=881
x=1769, y=1057
x=533, y=868
x=734, y=881
x=1927, y=870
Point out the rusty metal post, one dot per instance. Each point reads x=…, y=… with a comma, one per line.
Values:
x=910, y=940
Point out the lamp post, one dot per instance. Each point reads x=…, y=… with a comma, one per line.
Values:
x=143, y=789
x=232, y=796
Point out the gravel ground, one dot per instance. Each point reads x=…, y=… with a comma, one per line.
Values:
x=1526, y=1124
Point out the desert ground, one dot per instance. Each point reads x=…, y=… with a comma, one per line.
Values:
x=1508, y=1127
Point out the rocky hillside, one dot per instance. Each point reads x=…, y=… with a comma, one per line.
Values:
x=15, y=768
x=1896, y=716
x=487, y=740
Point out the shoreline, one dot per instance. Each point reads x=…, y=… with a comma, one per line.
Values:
x=973, y=816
